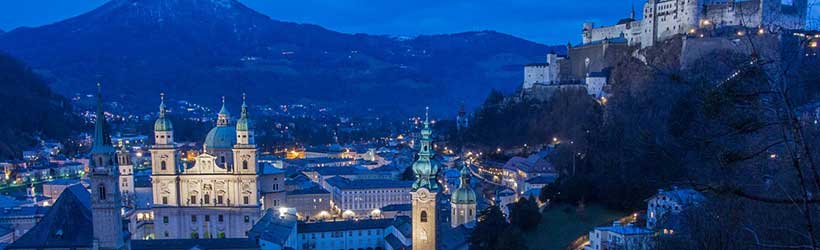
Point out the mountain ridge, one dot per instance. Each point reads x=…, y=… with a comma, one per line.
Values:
x=202, y=49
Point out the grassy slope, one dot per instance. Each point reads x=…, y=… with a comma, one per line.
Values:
x=560, y=225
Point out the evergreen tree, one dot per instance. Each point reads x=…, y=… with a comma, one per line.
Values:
x=491, y=224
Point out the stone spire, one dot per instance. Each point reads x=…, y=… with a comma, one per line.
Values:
x=102, y=138
x=425, y=168
x=632, y=14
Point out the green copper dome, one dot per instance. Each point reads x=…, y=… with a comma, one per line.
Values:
x=222, y=137
x=464, y=194
x=162, y=123
x=243, y=124
x=425, y=168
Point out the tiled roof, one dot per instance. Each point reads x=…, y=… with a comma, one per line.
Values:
x=66, y=225
x=273, y=228
x=345, y=225
x=347, y=184
x=397, y=207
x=202, y=244
x=311, y=190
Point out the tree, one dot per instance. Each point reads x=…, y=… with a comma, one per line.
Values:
x=524, y=214
x=511, y=239
x=490, y=225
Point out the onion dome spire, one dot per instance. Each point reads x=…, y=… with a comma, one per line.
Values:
x=425, y=167
x=102, y=138
x=162, y=123
x=243, y=124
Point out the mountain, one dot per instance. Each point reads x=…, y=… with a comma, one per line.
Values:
x=202, y=49
x=29, y=110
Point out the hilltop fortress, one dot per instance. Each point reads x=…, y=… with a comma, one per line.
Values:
x=663, y=19
x=701, y=25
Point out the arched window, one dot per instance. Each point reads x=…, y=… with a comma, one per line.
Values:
x=101, y=189
x=162, y=165
x=423, y=216
x=245, y=164
x=207, y=199
x=99, y=161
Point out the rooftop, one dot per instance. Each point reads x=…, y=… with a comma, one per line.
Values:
x=202, y=244
x=311, y=190
x=345, y=225
x=347, y=184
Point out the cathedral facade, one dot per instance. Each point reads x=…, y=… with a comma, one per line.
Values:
x=214, y=196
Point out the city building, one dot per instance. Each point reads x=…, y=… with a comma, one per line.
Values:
x=310, y=203
x=666, y=204
x=619, y=236
x=363, y=198
x=350, y=234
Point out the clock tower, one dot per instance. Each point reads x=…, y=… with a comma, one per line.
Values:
x=424, y=192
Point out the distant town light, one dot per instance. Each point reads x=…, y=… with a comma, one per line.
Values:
x=813, y=44
x=760, y=31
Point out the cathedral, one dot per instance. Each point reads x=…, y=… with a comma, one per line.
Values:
x=213, y=196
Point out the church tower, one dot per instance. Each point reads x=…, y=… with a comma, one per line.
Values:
x=463, y=202
x=424, y=192
x=244, y=152
x=106, y=204
x=462, y=121
x=164, y=160
x=126, y=169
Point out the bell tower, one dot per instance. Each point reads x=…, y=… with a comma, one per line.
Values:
x=244, y=152
x=106, y=203
x=424, y=192
x=164, y=160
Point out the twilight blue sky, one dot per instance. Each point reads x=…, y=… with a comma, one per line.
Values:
x=544, y=21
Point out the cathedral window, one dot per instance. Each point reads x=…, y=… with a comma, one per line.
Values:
x=193, y=199
x=162, y=165
x=471, y=212
x=220, y=218
x=193, y=218
x=245, y=200
x=222, y=158
x=101, y=189
x=245, y=164
x=207, y=218
x=423, y=216
x=207, y=199
x=247, y=219
x=165, y=220
x=219, y=199
x=165, y=200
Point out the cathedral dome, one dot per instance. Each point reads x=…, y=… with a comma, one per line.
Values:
x=163, y=124
x=221, y=137
x=463, y=196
